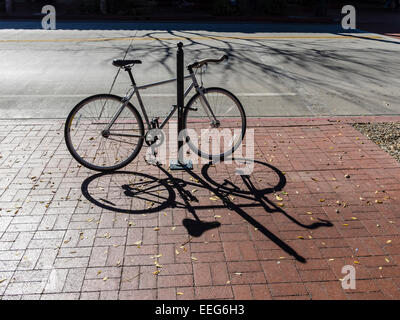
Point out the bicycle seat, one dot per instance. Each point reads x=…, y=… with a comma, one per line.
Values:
x=122, y=63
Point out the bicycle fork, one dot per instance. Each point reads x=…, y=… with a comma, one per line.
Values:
x=203, y=101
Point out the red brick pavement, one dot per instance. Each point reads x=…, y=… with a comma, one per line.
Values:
x=340, y=206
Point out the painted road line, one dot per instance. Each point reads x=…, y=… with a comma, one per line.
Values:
x=394, y=35
x=151, y=95
x=192, y=38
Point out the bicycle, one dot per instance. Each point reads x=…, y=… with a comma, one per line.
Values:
x=106, y=132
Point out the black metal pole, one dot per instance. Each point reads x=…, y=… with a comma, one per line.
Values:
x=180, y=163
x=180, y=98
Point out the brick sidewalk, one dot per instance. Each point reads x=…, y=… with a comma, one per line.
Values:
x=321, y=196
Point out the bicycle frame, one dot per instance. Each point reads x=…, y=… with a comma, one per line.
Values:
x=136, y=90
x=156, y=84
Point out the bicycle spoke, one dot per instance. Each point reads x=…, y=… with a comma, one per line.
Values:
x=228, y=129
x=99, y=149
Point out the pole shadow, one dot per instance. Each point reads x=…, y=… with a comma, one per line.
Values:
x=139, y=193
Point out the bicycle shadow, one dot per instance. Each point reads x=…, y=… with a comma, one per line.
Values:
x=162, y=193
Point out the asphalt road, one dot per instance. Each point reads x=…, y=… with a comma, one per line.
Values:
x=287, y=70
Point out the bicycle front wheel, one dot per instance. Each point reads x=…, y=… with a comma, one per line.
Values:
x=216, y=125
x=97, y=148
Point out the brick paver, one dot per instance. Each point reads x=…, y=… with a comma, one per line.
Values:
x=324, y=196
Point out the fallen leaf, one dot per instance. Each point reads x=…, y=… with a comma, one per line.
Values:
x=156, y=272
x=156, y=229
x=387, y=260
x=300, y=237
x=2, y=280
x=194, y=259
x=215, y=198
x=389, y=241
x=133, y=277
x=179, y=293
x=321, y=200
x=280, y=204
x=190, y=239
x=105, y=278
x=278, y=198
x=238, y=273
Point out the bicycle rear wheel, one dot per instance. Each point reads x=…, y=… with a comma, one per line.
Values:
x=217, y=134
x=93, y=146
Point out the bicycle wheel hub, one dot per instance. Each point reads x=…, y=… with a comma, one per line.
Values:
x=215, y=124
x=105, y=133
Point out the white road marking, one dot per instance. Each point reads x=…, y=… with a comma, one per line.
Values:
x=257, y=94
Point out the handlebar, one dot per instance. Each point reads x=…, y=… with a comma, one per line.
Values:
x=198, y=64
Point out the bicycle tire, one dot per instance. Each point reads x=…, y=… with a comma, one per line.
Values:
x=79, y=157
x=189, y=110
